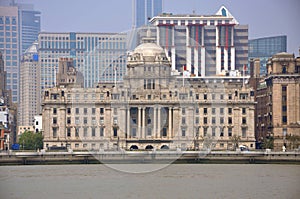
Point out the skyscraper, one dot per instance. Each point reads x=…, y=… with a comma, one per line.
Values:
x=29, y=105
x=19, y=27
x=264, y=48
x=207, y=45
x=145, y=9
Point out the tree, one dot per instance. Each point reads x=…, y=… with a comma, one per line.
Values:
x=31, y=141
x=293, y=141
x=268, y=142
x=235, y=139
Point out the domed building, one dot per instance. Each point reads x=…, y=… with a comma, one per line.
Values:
x=150, y=109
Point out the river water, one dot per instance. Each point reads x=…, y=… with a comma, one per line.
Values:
x=173, y=181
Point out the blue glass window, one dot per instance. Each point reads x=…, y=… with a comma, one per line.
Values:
x=14, y=52
x=1, y=45
x=7, y=51
x=14, y=63
x=15, y=75
x=1, y=27
x=1, y=39
x=14, y=46
x=14, y=34
x=14, y=21
x=1, y=20
x=1, y=34
x=7, y=20
x=14, y=28
x=7, y=27
x=14, y=57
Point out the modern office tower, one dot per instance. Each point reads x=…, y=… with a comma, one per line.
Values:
x=100, y=57
x=19, y=27
x=143, y=10
x=206, y=44
x=29, y=105
x=265, y=48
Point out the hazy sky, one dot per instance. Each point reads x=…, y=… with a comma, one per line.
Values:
x=264, y=17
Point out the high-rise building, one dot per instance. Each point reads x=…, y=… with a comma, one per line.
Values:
x=206, y=45
x=29, y=105
x=143, y=10
x=100, y=57
x=265, y=48
x=19, y=27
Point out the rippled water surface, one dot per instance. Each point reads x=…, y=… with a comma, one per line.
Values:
x=174, y=181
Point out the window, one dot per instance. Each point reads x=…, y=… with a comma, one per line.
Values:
x=164, y=133
x=93, y=120
x=77, y=120
x=77, y=132
x=213, y=132
x=283, y=88
x=197, y=110
x=54, y=111
x=93, y=132
x=101, y=110
x=101, y=131
x=85, y=111
x=221, y=120
x=229, y=120
x=229, y=111
x=68, y=120
x=197, y=120
x=68, y=132
x=244, y=132
x=93, y=111
x=229, y=132
x=77, y=110
x=213, y=111
x=213, y=120
x=244, y=120
x=284, y=108
x=183, y=120
x=205, y=111
x=205, y=96
x=101, y=120
x=221, y=111
x=54, y=120
x=85, y=132
x=115, y=111
x=205, y=120
x=183, y=111
x=183, y=131
x=54, y=130
x=115, y=132
x=204, y=131
x=284, y=119
x=243, y=110
x=85, y=120
x=213, y=96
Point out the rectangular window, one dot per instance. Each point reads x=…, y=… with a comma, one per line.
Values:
x=77, y=110
x=205, y=120
x=204, y=111
x=85, y=132
x=205, y=96
x=183, y=131
x=115, y=132
x=213, y=120
x=101, y=110
x=85, y=120
x=93, y=111
x=77, y=120
x=221, y=111
x=213, y=111
x=54, y=120
x=204, y=131
x=183, y=120
x=68, y=132
x=101, y=120
x=54, y=111
x=93, y=120
x=54, y=130
x=284, y=108
x=93, y=132
x=213, y=132
x=85, y=111
x=197, y=120
x=229, y=132
x=101, y=131
x=244, y=120
x=229, y=120
x=229, y=111
x=221, y=120
x=68, y=120
x=197, y=110
x=243, y=110
x=77, y=132
x=284, y=119
x=183, y=111
x=244, y=130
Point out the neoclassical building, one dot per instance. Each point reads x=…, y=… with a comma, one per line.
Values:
x=150, y=109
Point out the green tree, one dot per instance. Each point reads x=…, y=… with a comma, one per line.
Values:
x=293, y=141
x=268, y=143
x=31, y=141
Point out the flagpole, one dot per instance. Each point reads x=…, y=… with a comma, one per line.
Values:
x=244, y=75
x=115, y=76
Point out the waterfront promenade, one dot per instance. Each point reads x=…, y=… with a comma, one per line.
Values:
x=86, y=157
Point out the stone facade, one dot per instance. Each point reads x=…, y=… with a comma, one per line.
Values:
x=278, y=99
x=150, y=109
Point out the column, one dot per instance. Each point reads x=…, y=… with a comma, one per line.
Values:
x=139, y=123
x=202, y=61
x=128, y=122
x=196, y=61
x=158, y=122
x=154, y=122
x=143, y=122
x=170, y=123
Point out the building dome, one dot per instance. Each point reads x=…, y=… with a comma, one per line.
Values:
x=148, y=52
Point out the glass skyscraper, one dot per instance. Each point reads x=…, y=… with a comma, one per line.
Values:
x=266, y=47
x=145, y=9
x=19, y=27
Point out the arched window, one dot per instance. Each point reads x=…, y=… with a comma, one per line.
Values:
x=284, y=69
